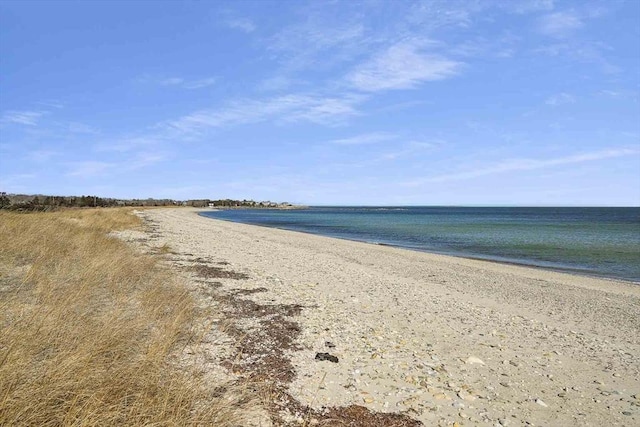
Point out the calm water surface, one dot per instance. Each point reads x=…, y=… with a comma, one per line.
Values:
x=596, y=241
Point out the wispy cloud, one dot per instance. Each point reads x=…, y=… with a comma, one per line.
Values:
x=559, y=24
x=128, y=143
x=438, y=14
x=77, y=127
x=326, y=110
x=560, y=99
x=197, y=84
x=28, y=118
x=320, y=41
x=181, y=82
x=528, y=6
x=51, y=104
x=404, y=65
x=277, y=83
x=90, y=168
x=316, y=35
x=144, y=159
x=581, y=50
x=410, y=148
x=288, y=108
x=171, y=81
x=366, y=138
x=242, y=24
x=514, y=165
x=42, y=155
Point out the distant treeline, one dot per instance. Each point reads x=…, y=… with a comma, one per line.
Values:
x=229, y=203
x=40, y=202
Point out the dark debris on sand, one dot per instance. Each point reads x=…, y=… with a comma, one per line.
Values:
x=261, y=356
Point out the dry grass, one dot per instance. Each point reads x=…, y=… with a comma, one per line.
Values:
x=88, y=329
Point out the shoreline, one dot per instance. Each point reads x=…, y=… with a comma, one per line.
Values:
x=438, y=338
x=567, y=270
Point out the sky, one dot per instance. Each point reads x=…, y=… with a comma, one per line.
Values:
x=533, y=102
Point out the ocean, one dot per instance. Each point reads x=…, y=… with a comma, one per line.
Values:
x=595, y=241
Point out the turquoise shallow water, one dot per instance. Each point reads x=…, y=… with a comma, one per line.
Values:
x=595, y=241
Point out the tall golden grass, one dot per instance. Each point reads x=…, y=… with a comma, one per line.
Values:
x=89, y=327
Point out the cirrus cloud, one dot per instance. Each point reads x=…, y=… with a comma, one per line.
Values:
x=404, y=65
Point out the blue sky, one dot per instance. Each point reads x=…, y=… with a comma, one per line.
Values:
x=324, y=102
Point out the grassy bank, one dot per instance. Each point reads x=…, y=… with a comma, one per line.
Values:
x=88, y=329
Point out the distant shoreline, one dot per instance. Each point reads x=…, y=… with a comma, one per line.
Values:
x=318, y=226
x=575, y=272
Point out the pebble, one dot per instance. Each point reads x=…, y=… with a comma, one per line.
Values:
x=466, y=396
x=541, y=403
x=627, y=413
x=472, y=360
x=326, y=356
x=503, y=384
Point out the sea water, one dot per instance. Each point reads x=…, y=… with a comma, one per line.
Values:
x=601, y=241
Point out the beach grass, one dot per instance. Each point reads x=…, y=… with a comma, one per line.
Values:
x=91, y=331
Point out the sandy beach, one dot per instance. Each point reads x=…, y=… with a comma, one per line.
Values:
x=442, y=340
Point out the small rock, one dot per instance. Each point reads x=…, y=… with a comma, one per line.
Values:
x=326, y=356
x=541, y=403
x=617, y=375
x=503, y=384
x=466, y=396
x=562, y=394
x=368, y=400
x=330, y=344
x=472, y=360
x=627, y=413
x=512, y=363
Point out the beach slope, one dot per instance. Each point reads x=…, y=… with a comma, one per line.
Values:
x=440, y=339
